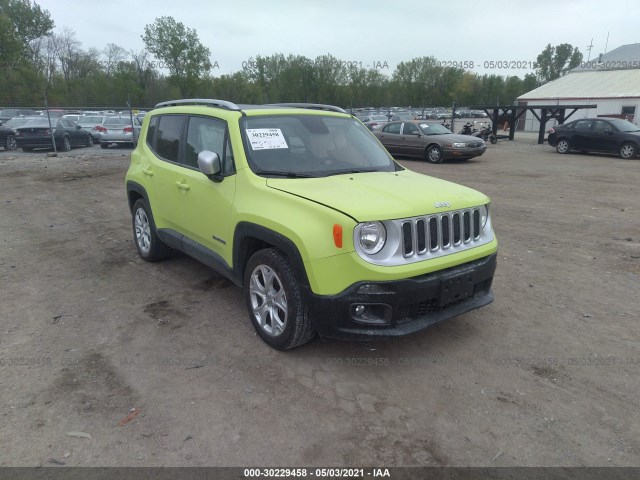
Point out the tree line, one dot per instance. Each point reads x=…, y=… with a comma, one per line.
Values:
x=36, y=60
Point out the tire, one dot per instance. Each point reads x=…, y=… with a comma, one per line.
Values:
x=10, y=144
x=563, y=146
x=66, y=144
x=89, y=141
x=628, y=151
x=104, y=145
x=434, y=154
x=149, y=245
x=274, y=301
x=493, y=139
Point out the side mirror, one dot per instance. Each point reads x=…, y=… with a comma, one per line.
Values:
x=209, y=163
x=417, y=134
x=78, y=127
x=608, y=130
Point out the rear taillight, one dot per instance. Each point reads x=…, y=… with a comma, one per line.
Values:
x=127, y=129
x=99, y=128
x=551, y=131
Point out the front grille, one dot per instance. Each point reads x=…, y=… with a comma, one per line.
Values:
x=442, y=231
x=474, y=145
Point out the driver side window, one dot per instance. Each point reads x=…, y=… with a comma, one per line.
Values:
x=409, y=129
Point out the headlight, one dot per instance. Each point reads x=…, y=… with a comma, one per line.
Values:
x=484, y=214
x=459, y=145
x=372, y=236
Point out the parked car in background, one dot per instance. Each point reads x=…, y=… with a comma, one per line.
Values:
x=36, y=133
x=118, y=130
x=612, y=135
x=8, y=132
x=7, y=114
x=430, y=141
x=375, y=122
x=90, y=123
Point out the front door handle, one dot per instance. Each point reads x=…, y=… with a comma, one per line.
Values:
x=183, y=186
x=147, y=171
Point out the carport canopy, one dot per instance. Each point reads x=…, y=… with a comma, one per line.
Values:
x=514, y=112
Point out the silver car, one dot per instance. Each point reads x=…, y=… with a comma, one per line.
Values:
x=118, y=130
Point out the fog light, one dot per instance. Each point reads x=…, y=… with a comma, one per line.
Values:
x=371, y=313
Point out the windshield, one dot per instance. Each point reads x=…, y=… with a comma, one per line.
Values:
x=16, y=122
x=625, y=126
x=86, y=121
x=117, y=121
x=434, y=129
x=39, y=123
x=312, y=146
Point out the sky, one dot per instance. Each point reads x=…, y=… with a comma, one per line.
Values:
x=372, y=34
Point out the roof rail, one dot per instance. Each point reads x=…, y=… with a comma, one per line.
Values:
x=201, y=101
x=311, y=106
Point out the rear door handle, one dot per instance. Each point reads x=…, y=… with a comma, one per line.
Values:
x=183, y=186
x=147, y=171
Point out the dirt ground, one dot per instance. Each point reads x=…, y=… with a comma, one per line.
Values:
x=546, y=375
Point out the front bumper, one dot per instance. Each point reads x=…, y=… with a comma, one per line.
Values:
x=401, y=307
x=452, y=152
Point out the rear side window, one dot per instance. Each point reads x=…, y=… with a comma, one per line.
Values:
x=392, y=128
x=151, y=132
x=167, y=137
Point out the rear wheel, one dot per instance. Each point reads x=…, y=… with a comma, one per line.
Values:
x=628, y=150
x=493, y=139
x=434, y=154
x=275, y=303
x=66, y=144
x=88, y=141
x=10, y=144
x=104, y=145
x=563, y=146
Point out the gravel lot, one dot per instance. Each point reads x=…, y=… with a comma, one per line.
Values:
x=546, y=375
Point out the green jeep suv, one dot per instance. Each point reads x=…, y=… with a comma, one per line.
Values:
x=302, y=206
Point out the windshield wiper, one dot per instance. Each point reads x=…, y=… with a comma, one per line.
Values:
x=284, y=174
x=354, y=170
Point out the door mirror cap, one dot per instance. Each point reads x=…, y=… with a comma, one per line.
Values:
x=209, y=163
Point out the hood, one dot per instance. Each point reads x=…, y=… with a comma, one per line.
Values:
x=381, y=195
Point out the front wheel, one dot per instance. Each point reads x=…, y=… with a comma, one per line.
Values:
x=628, y=150
x=563, y=146
x=493, y=139
x=149, y=245
x=434, y=154
x=275, y=303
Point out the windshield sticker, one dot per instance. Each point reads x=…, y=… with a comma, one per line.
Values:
x=266, y=138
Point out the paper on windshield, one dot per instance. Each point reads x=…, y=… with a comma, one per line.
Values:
x=266, y=138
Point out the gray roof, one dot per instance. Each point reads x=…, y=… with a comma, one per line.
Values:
x=606, y=79
x=623, y=57
x=586, y=85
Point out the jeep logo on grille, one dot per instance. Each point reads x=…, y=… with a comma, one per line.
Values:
x=442, y=204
